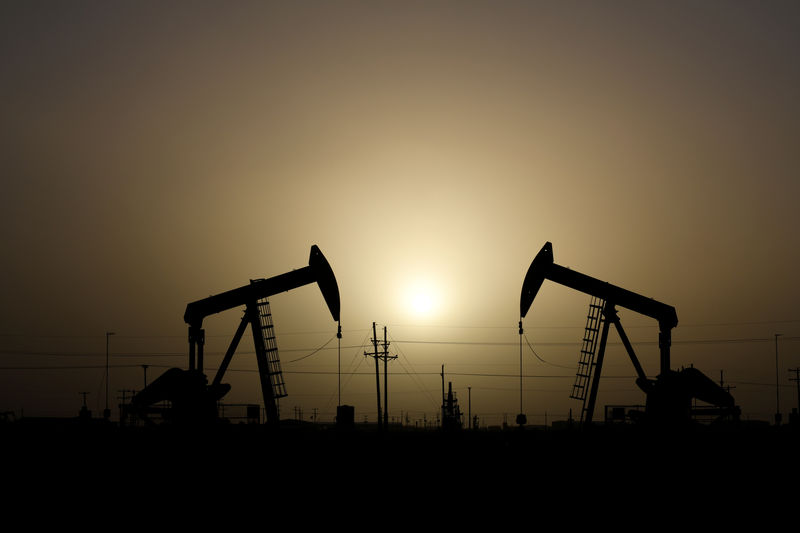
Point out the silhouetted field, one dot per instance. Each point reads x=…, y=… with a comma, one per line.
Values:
x=363, y=471
x=75, y=445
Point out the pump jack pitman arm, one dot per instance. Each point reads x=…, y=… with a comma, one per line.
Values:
x=543, y=268
x=318, y=270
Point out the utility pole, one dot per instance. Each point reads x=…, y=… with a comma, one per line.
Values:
x=386, y=358
x=385, y=380
x=339, y=361
x=145, y=375
x=84, y=412
x=722, y=385
x=123, y=406
x=777, y=385
x=796, y=379
x=107, y=411
x=376, y=355
x=443, y=398
x=521, y=418
x=722, y=382
x=469, y=407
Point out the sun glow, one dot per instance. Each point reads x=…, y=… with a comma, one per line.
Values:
x=421, y=303
x=422, y=299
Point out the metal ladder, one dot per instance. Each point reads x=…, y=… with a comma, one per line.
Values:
x=594, y=321
x=271, y=349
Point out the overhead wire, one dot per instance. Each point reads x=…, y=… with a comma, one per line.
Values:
x=48, y=353
x=312, y=353
x=355, y=358
x=414, y=375
x=25, y=353
x=539, y=358
x=76, y=367
x=456, y=326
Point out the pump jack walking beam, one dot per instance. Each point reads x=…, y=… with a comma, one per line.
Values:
x=318, y=270
x=543, y=268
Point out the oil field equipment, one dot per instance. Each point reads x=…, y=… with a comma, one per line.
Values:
x=670, y=394
x=187, y=392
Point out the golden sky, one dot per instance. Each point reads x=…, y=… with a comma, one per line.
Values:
x=153, y=154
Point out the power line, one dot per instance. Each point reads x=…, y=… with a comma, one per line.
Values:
x=50, y=353
x=312, y=353
x=452, y=326
x=539, y=358
x=414, y=375
x=571, y=343
x=356, y=359
x=75, y=367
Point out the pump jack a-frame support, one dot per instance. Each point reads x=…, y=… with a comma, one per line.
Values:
x=668, y=396
x=610, y=317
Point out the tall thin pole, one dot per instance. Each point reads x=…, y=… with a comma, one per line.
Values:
x=106, y=411
x=377, y=374
x=443, y=399
x=469, y=407
x=777, y=385
x=520, y=368
x=339, y=338
x=521, y=418
x=385, y=380
x=796, y=379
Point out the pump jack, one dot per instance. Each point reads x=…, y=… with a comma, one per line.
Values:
x=669, y=396
x=190, y=396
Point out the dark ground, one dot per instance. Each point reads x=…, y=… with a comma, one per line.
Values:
x=513, y=451
x=615, y=470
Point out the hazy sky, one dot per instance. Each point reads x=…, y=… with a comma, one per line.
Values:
x=154, y=153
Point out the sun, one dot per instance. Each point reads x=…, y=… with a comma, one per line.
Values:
x=422, y=299
x=421, y=302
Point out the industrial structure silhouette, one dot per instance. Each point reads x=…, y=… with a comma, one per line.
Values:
x=184, y=396
x=177, y=422
x=182, y=402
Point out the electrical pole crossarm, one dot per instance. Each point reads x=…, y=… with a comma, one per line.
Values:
x=318, y=271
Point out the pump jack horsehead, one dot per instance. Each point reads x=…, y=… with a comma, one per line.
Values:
x=670, y=395
x=190, y=396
